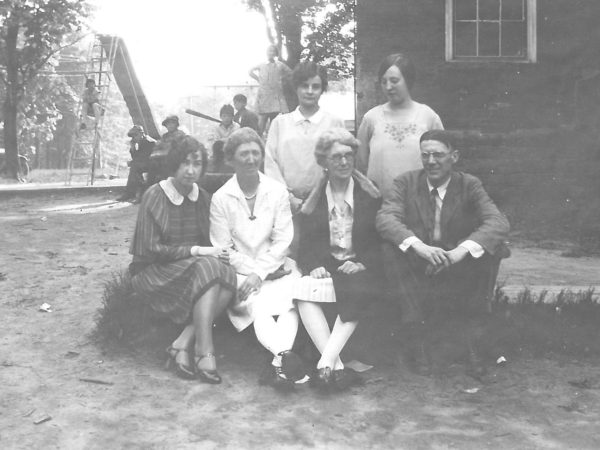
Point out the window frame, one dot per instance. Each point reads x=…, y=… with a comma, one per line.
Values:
x=531, y=57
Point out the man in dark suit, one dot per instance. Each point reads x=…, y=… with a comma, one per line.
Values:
x=140, y=148
x=444, y=242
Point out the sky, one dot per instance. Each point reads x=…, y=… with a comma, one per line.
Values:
x=178, y=45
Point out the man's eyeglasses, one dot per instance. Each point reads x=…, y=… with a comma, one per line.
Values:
x=339, y=157
x=436, y=155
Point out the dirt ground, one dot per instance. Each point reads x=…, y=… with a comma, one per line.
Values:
x=61, y=249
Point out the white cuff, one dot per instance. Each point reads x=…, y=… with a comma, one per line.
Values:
x=408, y=242
x=195, y=250
x=475, y=249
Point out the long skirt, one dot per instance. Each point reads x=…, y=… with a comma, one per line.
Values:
x=173, y=288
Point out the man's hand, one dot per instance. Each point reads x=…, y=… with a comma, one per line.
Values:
x=457, y=254
x=350, y=267
x=433, y=255
x=320, y=272
x=251, y=284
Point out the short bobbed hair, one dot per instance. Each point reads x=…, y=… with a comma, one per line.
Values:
x=227, y=109
x=328, y=138
x=241, y=136
x=442, y=136
x=181, y=149
x=402, y=62
x=240, y=98
x=306, y=70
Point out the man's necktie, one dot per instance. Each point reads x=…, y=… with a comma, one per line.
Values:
x=437, y=212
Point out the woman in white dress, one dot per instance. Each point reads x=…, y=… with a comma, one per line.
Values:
x=251, y=215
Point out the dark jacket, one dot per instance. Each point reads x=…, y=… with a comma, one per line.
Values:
x=467, y=213
x=313, y=243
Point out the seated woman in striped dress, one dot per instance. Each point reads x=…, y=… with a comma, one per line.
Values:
x=174, y=266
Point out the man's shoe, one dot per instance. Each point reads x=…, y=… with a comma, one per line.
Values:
x=346, y=378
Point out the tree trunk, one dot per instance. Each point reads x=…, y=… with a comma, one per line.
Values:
x=11, y=102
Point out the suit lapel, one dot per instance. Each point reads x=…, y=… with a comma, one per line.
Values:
x=450, y=203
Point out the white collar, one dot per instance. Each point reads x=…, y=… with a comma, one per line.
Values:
x=348, y=195
x=173, y=194
x=441, y=188
x=314, y=119
x=232, y=187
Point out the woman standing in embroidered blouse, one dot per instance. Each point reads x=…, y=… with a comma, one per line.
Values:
x=251, y=215
x=174, y=266
x=339, y=249
x=389, y=133
x=289, y=155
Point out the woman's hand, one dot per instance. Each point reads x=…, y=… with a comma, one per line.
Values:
x=222, y=253
x=350, y=267
x=320, y=272
x=250, y=285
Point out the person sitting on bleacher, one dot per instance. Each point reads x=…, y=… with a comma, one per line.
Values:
x=173, y=135
x=139, y=179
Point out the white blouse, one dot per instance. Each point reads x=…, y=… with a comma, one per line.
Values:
x=260, y=240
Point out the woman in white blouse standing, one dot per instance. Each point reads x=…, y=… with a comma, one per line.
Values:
x=251, y=215
x=292, y=137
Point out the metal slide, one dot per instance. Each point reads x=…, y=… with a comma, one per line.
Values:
x=129, y=85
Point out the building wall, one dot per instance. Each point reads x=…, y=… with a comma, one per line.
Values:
x=485, y=96
x=530, y=131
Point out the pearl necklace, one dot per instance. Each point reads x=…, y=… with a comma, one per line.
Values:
x=250, y=197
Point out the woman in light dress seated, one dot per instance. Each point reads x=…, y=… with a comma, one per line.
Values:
x=338, y=253
x=174, y=266
x=251, y=216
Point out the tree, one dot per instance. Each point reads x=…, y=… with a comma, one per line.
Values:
x=31, y=33
x=319, y=30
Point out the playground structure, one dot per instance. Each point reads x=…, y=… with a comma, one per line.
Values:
x=108, y=61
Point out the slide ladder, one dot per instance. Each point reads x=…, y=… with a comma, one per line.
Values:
x=108, y=59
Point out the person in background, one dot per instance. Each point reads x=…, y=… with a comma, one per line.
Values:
x=289, y=155
x=271, y=77
x=243, y=116
x=444, y=240
x=140, y=149
x=219, y=137
x=175, y=268
x=91, y=103
x=338, y=254
x=250, y=214
x=160, y=170
x=389, y=133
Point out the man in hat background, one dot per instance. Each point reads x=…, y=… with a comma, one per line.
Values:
x=173, y=134
x=140, y=148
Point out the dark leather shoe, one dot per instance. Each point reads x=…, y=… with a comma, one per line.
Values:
x=322, y=379
x=292, y=365
x=274, y=377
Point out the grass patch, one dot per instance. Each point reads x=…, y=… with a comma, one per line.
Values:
x=125, y=319
x=543, y=323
